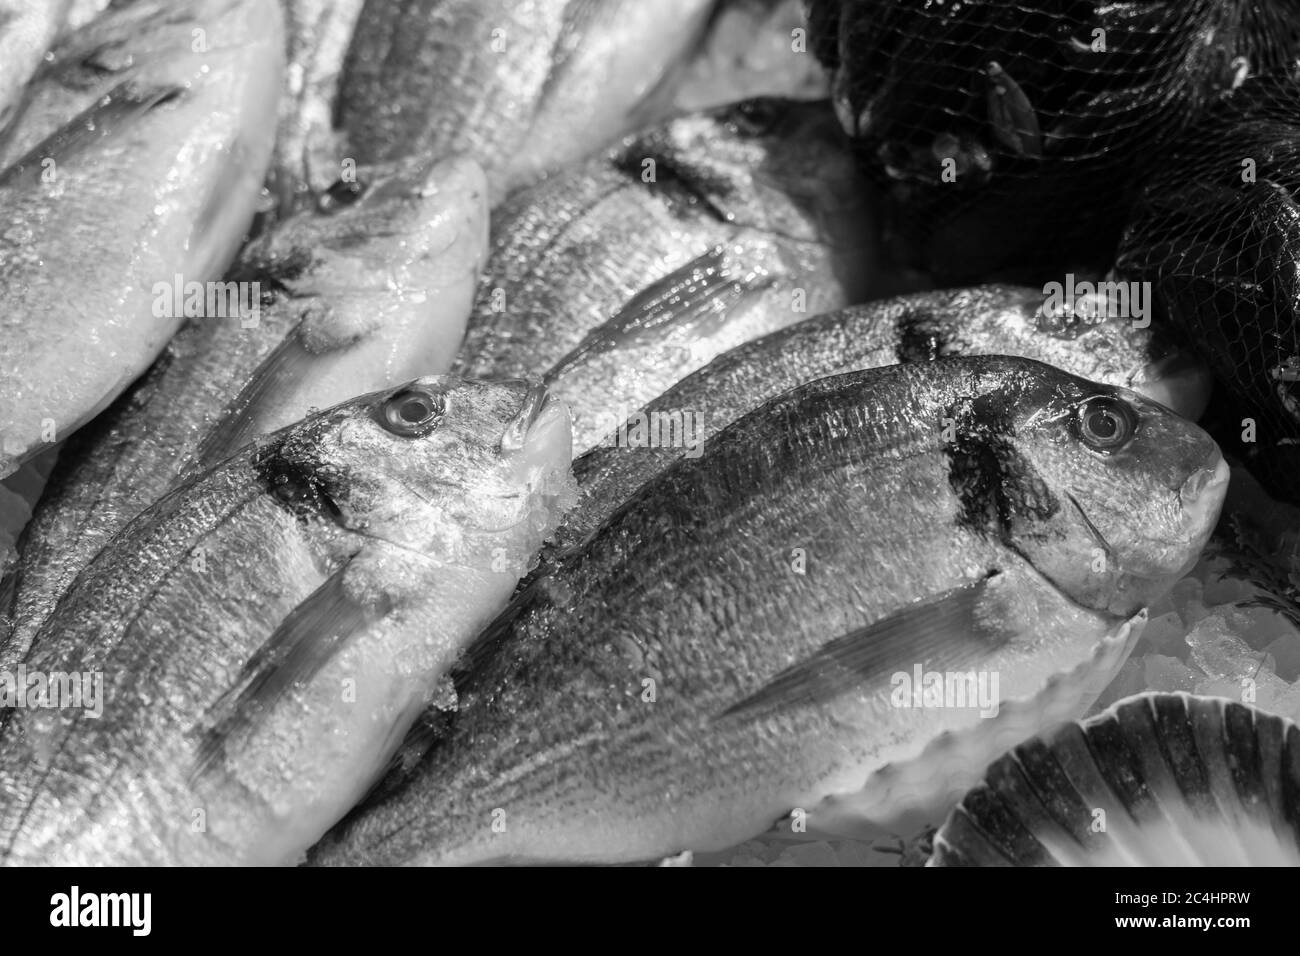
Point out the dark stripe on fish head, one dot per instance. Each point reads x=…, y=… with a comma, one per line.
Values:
x=1108, y=495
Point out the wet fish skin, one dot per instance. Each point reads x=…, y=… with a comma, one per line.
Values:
x=366, y=292
x=522, y=88
x=307, y=151
x=182, y=165
x=689, y=587
x=614, y=287
x=982, y=320
x=27, y=28
x=148, y=42
x=266, y=633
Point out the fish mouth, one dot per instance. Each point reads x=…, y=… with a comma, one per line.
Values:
x=1201, y=495
x=537, y=403
x=1179, y=381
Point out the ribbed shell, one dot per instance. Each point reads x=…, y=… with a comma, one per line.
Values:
x=1156, y=780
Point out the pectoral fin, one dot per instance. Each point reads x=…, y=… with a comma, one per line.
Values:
x=313, y=633
x=281, y=372
x=112, y=114
x=945, y=631
x=702, y=292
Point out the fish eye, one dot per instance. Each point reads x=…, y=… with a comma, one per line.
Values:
x=342, y=193
x=757, y=117
x=1105, y=423
x=412, y=412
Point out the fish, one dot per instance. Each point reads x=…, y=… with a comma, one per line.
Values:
x=308, y=150
x=618, y=278
x=1172, y=779
x=369, y=289
x=1217, y=244
x=522, y=88
x=982, y=320
x=245, y=657
x=1010, y=138
x=182, y=166
x=27, y=28
x=726, y=652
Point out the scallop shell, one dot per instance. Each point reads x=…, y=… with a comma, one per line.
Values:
x=1156, y=780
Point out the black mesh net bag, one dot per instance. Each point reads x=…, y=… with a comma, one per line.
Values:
x=1007, y=134
x=1216, y=231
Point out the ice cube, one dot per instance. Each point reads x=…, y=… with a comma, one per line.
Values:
x=1286, y=652
x=1166, y=635
x=1188, y=599
x=1169, y=674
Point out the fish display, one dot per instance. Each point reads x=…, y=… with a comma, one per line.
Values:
x=1218, y=242
x=824, y=542
x=986, y=320
x=181, y=166
x=367, y=544
x=707, y=432
x=615, y=280
x=522, y=88
x=1177, y=780
x=365, y=292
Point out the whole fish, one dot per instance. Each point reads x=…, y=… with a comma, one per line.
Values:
x=307, y=151
x=524, y=88
x=1218, y=242
x=984, y=320
x=369, y=290
x=624, y=275
x=181, y=166
x=27, y=28
x=728, y=648
x=244, y=658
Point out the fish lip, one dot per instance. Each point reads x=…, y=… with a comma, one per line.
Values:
x=536, y=401
x=1201, y=493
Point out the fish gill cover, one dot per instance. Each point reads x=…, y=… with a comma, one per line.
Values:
x=1008, y=135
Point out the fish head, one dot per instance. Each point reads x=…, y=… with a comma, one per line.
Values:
x=464, y=472
x=1104, y=345
x=417, y=225
x=778, y=165
x=1109, y=495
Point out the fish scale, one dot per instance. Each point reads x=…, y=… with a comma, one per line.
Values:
x=772, y=686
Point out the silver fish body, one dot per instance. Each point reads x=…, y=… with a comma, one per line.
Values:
x=253, y=648
x=27, y=28
x=371, y=289
x=181, y=164
x=148, y=42
x=726, y=650
x=983, y=320
x=524, y=88
x=619, y=278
